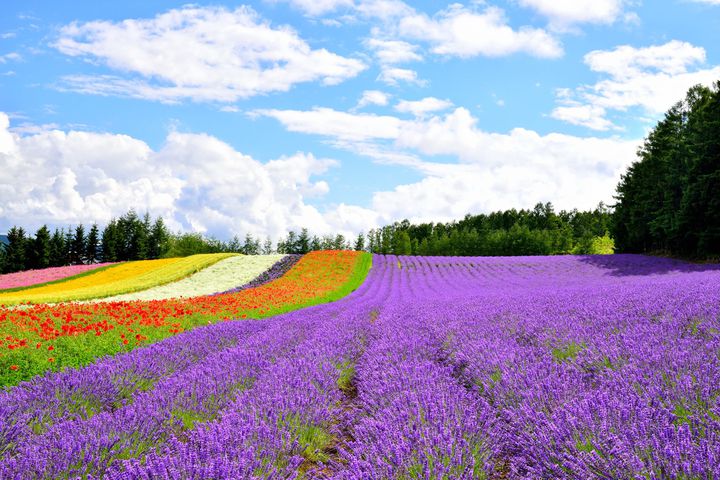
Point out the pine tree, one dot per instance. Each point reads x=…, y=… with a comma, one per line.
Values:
x=15, y=251
x=403, y=246
x=267, y=247
x=303, y=241
x=360, y=242
x=158, y=240
x=58, y=249
x=41, y=247
x=92, y=245
x=78, y=246
x=110, y=242
x=339, y=242
x=251, y=245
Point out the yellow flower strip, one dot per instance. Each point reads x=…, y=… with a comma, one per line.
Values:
x=123, y=278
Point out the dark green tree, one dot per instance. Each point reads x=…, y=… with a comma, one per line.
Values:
x=16, y=250
x=92, y=245
x=41, y=248
x=360, y=242
x=668, y=200
x=78, y=246
x=159, y=238
x=58, y=249
x=303, y=241
x=402, y=243
x=112, y=244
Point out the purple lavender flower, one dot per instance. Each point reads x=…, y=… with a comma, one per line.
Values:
x=436, y=367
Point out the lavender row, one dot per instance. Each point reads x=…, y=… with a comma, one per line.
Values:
x=277, y=270
x=542, y=367
x=286, y=425
x=270, y=382
x=607, y=371
x=108, y=384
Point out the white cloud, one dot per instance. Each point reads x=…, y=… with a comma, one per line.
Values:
x=340, y=125
x=198, y=182
x=387, y=10
x=393, y=76
x=200, y=53
x=458, y=31
x=500, y=171
x=421, y=108
x=563, y=13
x=373, y=97
x=8, y=57
x=709, y=2
x=393, y=51
x=318, y=7
x=493, y=171
x=650, y=78
x=627, y=62
x=195, y=181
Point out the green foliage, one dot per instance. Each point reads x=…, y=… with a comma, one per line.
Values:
x=540, y=231
x=187, y=244
x=41, y=249
x=567, y=352
x=346, y=377
x=668, y=199
x=92, y=245
x=16, y=250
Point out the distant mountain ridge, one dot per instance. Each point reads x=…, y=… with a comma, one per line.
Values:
x=4, y=240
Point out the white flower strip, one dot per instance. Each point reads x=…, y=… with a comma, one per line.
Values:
x=224, y=275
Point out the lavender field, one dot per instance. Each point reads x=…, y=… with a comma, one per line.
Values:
x=436, y=367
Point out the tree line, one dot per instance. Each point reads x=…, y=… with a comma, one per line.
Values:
x=540, y=231
x=668, y=201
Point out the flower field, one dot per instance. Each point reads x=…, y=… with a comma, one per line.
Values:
x=224, y=275
x=434, y=367
x=39, y=338
x=17, y=280
x=115, y=280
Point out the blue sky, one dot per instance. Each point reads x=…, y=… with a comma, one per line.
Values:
x=338, y=115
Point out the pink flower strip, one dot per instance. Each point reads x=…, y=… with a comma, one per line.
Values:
x=33, y=277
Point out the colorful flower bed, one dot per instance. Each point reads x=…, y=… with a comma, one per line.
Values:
x=50, y=337
x=448, y=368
x=12, y=281
x=224, y=275
x=122, y=278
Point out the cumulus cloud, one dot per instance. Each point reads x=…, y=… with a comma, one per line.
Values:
x=563, y=14
x=393, y=76
x=333, y=123
x=492, y=171
x=195, y=181
x=421, y=108
x=373, y=97
x=383, y=9
x=649, y=78
x=462, y=32
x=393, y=51
x=198, y=53
x=317, y=7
